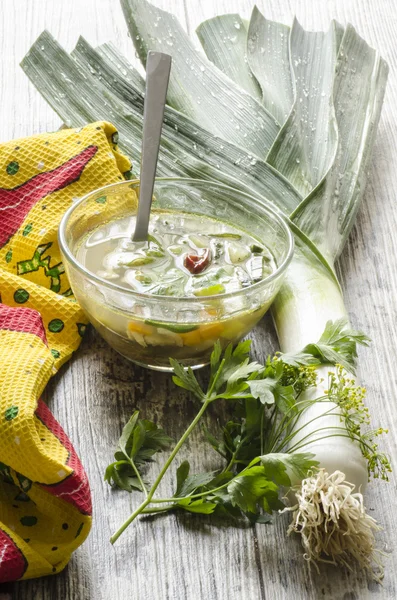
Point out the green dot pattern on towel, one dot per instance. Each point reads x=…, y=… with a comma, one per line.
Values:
x=12, y=168
x=21, y=296
x=27, y=229
x=56, y=325
x=28, y=521
x=11, y=413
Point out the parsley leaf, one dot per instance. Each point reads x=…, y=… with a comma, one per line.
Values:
x=215, y=360
x=200, y=505
x=285, y=397
x=186, y=379
x=263, y=389
x=232, y=360
x=280, y=467
x=299, y=359
x=120, y=474
x=188, y=484
x=338, y=344
x=251, y=488
x=139, y=441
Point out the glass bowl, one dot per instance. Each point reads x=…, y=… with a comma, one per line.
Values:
x=148, y=329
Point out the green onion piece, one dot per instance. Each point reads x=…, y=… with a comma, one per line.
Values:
x=154, y=252
x=139, y=261
x=142, y=278
x=152, y=240
x=176, y=250
x=210, y=291
x=198, y=241
x=174, y=327
x=231, y=236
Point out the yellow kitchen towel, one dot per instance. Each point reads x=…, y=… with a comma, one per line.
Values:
x=45, y=502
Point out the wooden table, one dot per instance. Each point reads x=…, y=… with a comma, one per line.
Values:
x=187, y=557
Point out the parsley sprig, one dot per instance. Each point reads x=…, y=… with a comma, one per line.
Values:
x=257, y=445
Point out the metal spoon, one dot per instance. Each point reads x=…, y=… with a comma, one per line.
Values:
x=158, y=68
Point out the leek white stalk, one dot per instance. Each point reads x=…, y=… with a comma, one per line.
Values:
x=306, y=302
x=329, y=512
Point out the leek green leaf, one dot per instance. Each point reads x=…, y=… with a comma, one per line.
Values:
x=110, y=55
x=268, y=58
x=307, y=143
x=196, y=86
x=328, y=214
x=187, y=150
x=224, y=40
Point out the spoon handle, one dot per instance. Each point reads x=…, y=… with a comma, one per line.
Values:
x=158, y=68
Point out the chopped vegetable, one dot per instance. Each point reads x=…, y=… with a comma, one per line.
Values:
x=198, y=241
x=227, y=235
x=153, y=241
x=191, y=338
x=256, y=249
x=218, y=249
x=142, y=328
x=195, y=263
x=139, y=261
x=237, y=252
x=176, y=250
x=154, y=248
x=211, y=330
x=218, y=288
x=256, y=268
x=155, y=253
x=175, y=327
x=143, y=278
x=243, y=277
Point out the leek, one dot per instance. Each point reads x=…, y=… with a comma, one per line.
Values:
x=290, y=117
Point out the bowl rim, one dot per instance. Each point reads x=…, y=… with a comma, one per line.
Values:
x=273, y=210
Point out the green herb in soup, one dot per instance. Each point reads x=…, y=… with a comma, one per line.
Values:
x=185, y=255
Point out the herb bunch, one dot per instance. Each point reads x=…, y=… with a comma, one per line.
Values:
x=260, y=459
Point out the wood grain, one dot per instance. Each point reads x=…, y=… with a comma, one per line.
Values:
x=194, y=558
